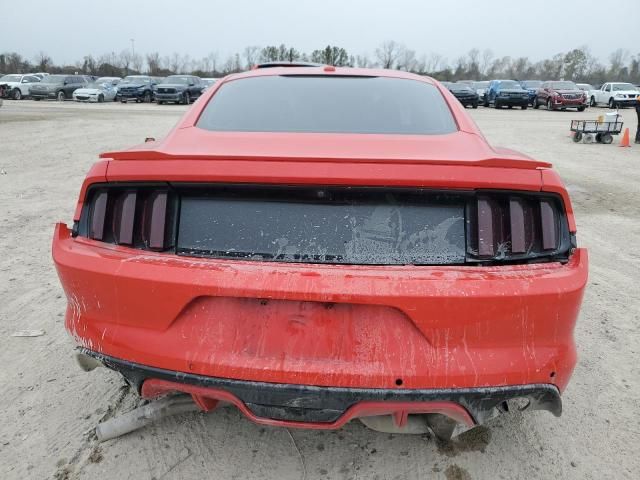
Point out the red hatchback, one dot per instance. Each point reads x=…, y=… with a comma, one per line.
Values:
x=318, y=244
x=560, y=96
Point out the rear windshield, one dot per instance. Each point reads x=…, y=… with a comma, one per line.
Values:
x=328, y=104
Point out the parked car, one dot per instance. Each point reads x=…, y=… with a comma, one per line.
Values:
x=615, y=95
x=318, y=244
x=102, y=90
x=137, y=87
x=585, y=87
x=560, y=95
x=480, y=88
x=507, y=93
x=40, y=75
x=465, y=94
x=178, y=89
x=16, y=86
x=531, y=86
x=58, y=87
x=208, y=82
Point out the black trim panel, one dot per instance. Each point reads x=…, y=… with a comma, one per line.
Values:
x=305, y=403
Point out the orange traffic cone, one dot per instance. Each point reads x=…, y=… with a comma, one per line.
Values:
x=625, y=139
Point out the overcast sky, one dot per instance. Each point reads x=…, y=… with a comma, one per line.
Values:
x=538, y=29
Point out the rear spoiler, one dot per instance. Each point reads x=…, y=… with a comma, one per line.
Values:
x=507, y=160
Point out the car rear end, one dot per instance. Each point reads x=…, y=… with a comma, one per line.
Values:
x=311, y=278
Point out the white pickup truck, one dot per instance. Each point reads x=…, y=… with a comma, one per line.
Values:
x=614, y=95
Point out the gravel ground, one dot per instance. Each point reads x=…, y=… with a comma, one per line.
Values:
x=50, y=406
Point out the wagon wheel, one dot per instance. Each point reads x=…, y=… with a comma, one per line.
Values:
x=577, y=137
x=606, y=138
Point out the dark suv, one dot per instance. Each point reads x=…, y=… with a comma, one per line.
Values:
x=465, y=94
x=507, y=93
x=59, y=87
x=178, y=89
x=136, y=87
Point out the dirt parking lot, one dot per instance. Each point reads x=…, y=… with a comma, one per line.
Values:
x=50, y=406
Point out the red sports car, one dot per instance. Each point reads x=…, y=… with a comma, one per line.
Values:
x=318, y=244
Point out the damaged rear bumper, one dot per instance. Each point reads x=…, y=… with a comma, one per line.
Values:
x=316, y=407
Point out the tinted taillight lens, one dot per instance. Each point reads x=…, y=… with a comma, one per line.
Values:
x=139, y=217
x=512, y=227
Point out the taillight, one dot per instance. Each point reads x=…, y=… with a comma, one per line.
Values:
x=500, y=227
x=139, y=217
x=510, y=227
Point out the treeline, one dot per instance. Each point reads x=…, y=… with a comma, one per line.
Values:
x=578, y=64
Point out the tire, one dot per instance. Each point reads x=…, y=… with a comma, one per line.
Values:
x=509, y=107
x=486, y=102
x=474, y=105
x=592, y=102
x=60, y=96
x=147, y=97
x=123, y=100
x=37, y=99
x=577, y=137
x=159, y=102
x=606, y=138
x=581, y=109
x=612, y=104
x=549, y=105
x=16, y=94
x=186, y=98
x=524, y=107
x=100, y=98
x=535, y=103
x=496, y=104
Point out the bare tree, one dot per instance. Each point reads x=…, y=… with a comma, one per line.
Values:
x=362, y=61
x=388, y=53
x=407, y=60
x=616, y=63
x=213, y=60
x=124, y=60
x=485, y=63
x=43, y=61
x=177, y=63
x=137, y=62
x=251, y=55
x=434, y=62
x=153, y=63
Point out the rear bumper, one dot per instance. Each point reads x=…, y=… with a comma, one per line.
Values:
x=324, y=325
x=330, y=407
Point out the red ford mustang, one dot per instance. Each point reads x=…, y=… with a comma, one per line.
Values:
x=318, y=244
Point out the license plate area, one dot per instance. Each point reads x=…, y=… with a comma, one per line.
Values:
x=362, y=226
